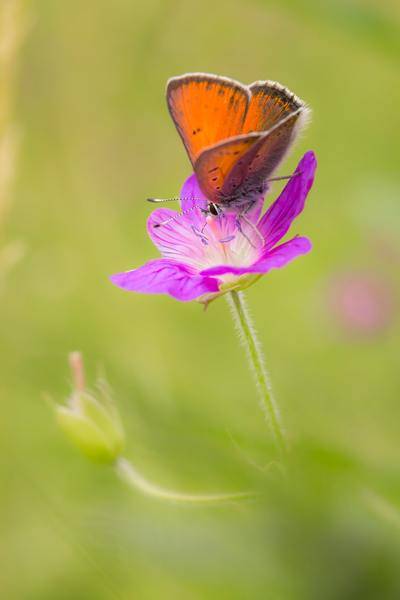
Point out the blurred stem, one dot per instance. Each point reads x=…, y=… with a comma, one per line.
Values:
x=128, y=473
x=77, y=371
x=12, y=30
x=381, y=507
x=255, y=357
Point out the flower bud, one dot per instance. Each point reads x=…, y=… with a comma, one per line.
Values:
x=91, y=423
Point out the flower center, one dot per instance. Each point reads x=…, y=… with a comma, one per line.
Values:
x=230, y=241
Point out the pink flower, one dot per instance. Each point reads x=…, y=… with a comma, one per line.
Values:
x=362, y=302
x=204, y=256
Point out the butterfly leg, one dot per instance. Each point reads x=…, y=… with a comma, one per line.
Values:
x=206, y=213
x=240, y=229
x=242, y=215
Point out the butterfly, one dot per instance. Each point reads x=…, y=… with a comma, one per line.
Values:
x=235, y=135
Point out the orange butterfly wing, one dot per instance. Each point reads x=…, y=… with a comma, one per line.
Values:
x=270, y=103
x=259, y=162
x=206, y=109
x=244, y=162
x=235, y=135
x=215, y=164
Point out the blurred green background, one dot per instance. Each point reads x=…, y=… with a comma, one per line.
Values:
x=95, y=140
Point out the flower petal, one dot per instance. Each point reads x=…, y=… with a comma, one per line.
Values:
x=272, y=259
x=162, y=276
x=283, y=254
x=191, y=195
x=178, y=238
x=278, y=218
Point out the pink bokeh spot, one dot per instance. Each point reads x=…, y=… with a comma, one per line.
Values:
x=362, y=302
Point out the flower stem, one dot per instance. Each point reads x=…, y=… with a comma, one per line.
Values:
x=255, y=357
x=128, y=473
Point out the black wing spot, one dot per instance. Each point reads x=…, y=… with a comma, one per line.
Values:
x=213, y=169
x=236, y=152
x=221, y=92
x=214, y=179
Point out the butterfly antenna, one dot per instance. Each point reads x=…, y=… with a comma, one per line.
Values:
x=160, y=200
x=283, y=177
x=178, y=216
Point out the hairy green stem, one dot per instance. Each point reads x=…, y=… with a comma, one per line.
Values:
x=134, y=479
x=255, y=357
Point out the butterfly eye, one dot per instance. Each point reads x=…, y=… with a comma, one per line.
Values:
x=213, y=209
